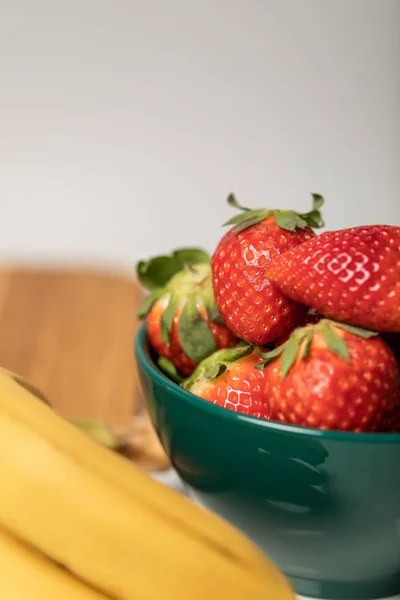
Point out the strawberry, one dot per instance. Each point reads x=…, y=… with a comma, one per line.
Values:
x=253, y=309
x=333, y=376
x=350, y=275
x=228, y=378
x=182, y=319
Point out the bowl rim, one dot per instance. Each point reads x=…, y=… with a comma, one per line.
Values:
x=141, y=351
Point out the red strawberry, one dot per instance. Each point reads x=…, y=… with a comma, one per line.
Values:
x=252, y=308
x=228, y=378
x=350, y=275
x=183, y=323
x=334, y=376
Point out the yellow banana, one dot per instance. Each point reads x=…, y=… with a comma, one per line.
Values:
x=16, y=402
x=111, y=525
x=27, y=575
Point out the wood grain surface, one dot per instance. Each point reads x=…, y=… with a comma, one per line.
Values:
x=70, y=332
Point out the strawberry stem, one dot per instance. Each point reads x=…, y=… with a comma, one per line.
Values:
x=195, y=336
x=286, y=219
x=235, y=204
x=158, y=270
x=289, y=351
x=169, y=369
x=217, y=363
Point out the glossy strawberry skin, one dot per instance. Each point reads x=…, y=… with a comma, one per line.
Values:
x=240, y=388
x=172, y=350
x=252, y=308
x=350, y=275
x=327, y=392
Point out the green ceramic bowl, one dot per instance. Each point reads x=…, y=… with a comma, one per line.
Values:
x=325, y=506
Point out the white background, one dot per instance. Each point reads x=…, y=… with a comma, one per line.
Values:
x=124, y=124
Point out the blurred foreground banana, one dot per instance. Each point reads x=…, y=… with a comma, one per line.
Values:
x=110, y=525
x=26, y=575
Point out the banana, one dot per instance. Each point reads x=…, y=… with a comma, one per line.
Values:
x=111, y=525
x=119, y=472
x=26, y=575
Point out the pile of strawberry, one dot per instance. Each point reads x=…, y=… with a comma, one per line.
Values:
x=281, y=323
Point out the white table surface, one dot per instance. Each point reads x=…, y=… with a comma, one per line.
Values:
x=171, y=479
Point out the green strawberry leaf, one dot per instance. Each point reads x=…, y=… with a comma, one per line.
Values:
x=270, y=356
x=156, y=272
x=335, y=343
x=169, y=369
x=234, y=203
x=290, y=220
x=217, y=363
x=286, y=219
x=289, y=350
x=167, y=317
x=195, y=337
x=247, y=217
x=262, y=365
x=258, y=214
x=214, y=371
x=318, y=201
x=307, y=345
x=191, y=256
x=241, y=350
x=248, y=223
x=364, y=333
x=275, y=352
x=148, y=303
x=289, y=354
x=313, y=218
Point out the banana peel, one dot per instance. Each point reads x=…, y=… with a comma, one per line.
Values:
x=87, y=511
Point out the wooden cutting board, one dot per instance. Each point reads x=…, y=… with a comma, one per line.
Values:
x=70, y=332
